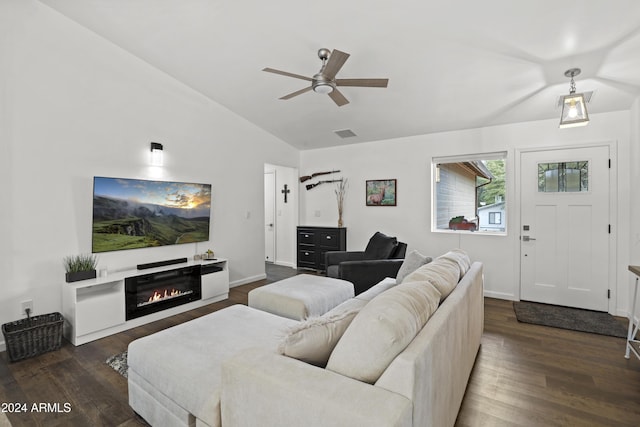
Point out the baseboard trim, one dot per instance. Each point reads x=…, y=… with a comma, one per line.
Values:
x=285, y=264
x=500, y=295
x=247, y=280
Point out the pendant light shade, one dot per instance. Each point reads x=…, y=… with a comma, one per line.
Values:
x=574, y=107
x=156, y=154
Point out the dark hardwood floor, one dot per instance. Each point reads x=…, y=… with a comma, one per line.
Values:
x=525, y=375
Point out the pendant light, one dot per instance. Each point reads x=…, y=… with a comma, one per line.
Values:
x=156, y=154
x=574, y=107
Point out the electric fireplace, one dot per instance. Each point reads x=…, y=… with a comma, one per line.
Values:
x=149, y=293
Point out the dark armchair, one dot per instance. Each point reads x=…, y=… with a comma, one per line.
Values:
x=382, y=258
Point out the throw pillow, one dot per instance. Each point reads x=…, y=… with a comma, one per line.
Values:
x=380, y=246
x=443, y=273
x=461, y=258
x=411, y=263
x=382, y=330
x=377, y=289
x=313, y=340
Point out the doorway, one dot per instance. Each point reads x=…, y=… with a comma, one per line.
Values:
x=565, y=227
x=280, y=214
x=269, y=216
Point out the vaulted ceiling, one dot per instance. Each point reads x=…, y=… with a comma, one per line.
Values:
x=451, y=65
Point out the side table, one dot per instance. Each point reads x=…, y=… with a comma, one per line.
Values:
x=633, y=344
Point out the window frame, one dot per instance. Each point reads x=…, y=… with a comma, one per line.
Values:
x=436, y=176
x=493, y=215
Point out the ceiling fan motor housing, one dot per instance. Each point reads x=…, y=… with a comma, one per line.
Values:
x=322, y=84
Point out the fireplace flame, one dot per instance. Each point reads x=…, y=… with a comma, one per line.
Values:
x=164, y=295
x=157, y=296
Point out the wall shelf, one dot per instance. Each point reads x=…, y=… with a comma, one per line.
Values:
x=95, y=308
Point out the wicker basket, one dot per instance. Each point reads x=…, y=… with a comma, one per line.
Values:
x=33, y=336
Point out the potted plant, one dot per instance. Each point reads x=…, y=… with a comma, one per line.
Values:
x=342, y=188
x=80, y=267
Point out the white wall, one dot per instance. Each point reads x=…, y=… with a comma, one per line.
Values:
x=286, y=217
x=634, y=159
x=409, y=160
x=75, y=106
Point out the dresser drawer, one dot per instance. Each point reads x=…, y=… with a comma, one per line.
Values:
x=329, y=240
x=306, y=257
x=306, y=237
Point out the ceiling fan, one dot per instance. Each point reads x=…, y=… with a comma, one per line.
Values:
x=325, y=80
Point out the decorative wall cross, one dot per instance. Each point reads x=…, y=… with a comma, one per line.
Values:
x=285, y=191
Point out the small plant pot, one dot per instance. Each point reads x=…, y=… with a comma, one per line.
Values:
x=80, y=275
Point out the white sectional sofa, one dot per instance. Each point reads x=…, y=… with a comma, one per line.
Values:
x=388, y=367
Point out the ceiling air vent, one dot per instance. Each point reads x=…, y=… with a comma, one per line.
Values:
x=345, y=133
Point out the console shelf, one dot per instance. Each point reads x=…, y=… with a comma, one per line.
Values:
x=95, y=308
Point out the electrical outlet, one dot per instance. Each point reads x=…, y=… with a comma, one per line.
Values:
x=27, y=304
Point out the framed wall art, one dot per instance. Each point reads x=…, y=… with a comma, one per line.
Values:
x=381, y=192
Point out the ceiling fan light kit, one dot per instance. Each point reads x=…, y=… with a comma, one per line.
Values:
x=325, y=81
x=574, y=107
x=321, y=84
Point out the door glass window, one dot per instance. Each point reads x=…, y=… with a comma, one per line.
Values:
x=563, y=177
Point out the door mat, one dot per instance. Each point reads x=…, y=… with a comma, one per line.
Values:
x=119, y=363
x=575, y=319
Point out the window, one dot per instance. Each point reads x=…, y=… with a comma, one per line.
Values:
x=469, y=193
x=563, y=177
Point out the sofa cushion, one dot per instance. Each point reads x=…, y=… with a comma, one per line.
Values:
x=380, y=246
x=377, y=289
x=183, y=362
x=313, y=340
x=411, y=263
x=443, y=273
x=382, y=329
x=461, y=258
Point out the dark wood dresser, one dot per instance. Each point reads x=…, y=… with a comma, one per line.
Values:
x=313, y=242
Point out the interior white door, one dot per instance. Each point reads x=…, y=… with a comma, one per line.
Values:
x=269, y=216
x=564, y=243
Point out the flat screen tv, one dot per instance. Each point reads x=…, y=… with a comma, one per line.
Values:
x=136, y=213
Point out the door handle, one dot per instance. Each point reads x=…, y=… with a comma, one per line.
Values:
x=527, y=238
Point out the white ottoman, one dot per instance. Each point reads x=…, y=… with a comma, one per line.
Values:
x=301, y=296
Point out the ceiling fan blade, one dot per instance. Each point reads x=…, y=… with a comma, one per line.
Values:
x=296, y=93
x=284, y=73
x=335, y=62
x=362, y=82
x=338, y=98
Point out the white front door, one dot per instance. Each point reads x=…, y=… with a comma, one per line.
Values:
x=564, y=243
x=269, y=216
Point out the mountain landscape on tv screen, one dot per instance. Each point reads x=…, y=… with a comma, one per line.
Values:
x=124, y=216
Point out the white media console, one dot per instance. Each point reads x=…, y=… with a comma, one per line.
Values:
x=95, y=308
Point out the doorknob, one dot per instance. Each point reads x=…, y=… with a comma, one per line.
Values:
x=527, y=238
x=270, y=225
